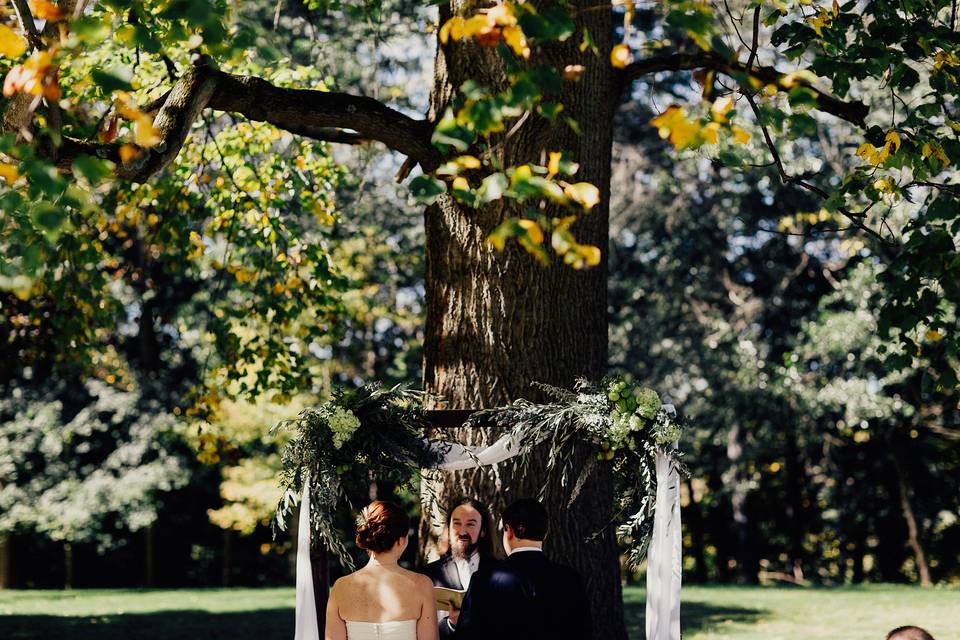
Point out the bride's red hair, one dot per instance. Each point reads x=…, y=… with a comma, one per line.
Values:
x=381, y=525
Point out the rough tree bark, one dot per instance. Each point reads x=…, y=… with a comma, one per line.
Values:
x=5, y=581
x=747, y=562
x=913, y=532
x=496, y=322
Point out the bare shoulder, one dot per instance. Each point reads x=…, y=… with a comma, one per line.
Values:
x=424, y=582
x=341, y=585
x=419, y=580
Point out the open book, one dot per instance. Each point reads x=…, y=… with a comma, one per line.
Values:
x=447, y=598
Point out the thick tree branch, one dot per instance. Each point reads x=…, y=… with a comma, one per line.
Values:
x=304, y=110
x=853, y=112
x=316, y=114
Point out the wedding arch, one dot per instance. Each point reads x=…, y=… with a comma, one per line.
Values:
x=375, y=432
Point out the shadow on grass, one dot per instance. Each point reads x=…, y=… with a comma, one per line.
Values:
x=694, y=616
x=264, y=624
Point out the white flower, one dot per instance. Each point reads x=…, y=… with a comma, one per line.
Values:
x=342, y=423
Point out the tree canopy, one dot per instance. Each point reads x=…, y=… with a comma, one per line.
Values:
x=113, y=152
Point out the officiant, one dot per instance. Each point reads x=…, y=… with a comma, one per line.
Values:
x=469, y=528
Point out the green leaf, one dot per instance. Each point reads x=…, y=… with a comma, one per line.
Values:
x=110, y=80
x=449, y=134
x=802, y=97
x=904, y=77
x=550, y=110
x=93, y=169
x=48, y=217
x=553, y=23
x=426, y=189
x=492, y=187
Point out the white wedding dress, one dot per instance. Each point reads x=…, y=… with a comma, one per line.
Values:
x=397, y=630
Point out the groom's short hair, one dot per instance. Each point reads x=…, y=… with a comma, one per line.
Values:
x=528, y=519
x=909, y=633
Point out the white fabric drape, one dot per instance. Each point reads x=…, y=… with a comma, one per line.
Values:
x=460, y=457
x=306, y=627
x=664, y=560
x=665, y=555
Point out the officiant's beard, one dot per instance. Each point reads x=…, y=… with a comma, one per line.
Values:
x=463, y=548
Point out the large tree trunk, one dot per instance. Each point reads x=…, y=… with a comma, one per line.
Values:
x=913, y=533
x=496, y=322
x=150, y=556
x=5, y=581
x=693, y=516
x=747, y=561
x=67, y=565
x=795, y=512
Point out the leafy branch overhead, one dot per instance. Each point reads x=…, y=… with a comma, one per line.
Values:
x=99, y=94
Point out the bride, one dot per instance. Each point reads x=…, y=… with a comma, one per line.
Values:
x=382, y=601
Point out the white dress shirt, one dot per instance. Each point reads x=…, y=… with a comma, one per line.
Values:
x=466, y=567
x=519, y=549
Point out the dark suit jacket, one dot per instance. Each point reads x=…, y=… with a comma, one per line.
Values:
x=526, y=597
x=444, y=573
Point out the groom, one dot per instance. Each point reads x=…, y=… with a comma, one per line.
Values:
x=526, y=596
x=471, y=549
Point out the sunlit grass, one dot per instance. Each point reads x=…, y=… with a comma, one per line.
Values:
x=748, y=613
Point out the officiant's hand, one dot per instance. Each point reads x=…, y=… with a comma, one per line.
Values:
x=454, y=615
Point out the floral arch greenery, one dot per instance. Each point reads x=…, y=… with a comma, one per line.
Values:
x=376, y=432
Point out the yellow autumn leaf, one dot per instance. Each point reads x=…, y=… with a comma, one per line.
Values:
x=591, y=255
x=933, y=335
x=502, y=15
x=620, y=56
x=710, y=131
x=553, y=166
x=477, y=25
x=497, y=240
x=740, y=136
x=9, y=173
x=460, y=184
x=127, y=153
x=534, y=233
x=562, y=224
x=819, y=21
x=583, y=193
x=523, y=172
x=46, y=10
x=11, y=44
x=770, y=90
x=935, y=150
x=144, y=133
x=515, y=39
x=836, y=8
x=944, y=58
x=452, y=29
x=573, y=72
x=893, y=138
x=720, y=107
x=674, y=125
x=467, y=162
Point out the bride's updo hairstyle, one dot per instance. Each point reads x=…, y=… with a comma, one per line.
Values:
x=381, y=525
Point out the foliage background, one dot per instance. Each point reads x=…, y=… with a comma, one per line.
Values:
x=817, y=453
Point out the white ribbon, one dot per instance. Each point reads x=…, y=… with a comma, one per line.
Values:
x=665, y=555
x=306, y=627
x=460, y=457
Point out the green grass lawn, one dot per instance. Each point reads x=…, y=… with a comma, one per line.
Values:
x=861, y=613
